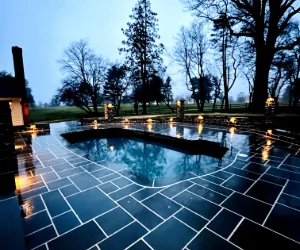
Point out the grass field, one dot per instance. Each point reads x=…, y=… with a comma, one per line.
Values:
x=72, y=113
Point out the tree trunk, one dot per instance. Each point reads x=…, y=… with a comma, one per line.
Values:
x=95, y=105
x=222, y=105
x=261, y=81
x=198, y=104
x=214, y=105
x=290, y=95
x=226, y=98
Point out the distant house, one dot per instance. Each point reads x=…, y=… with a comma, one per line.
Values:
x=13, y=90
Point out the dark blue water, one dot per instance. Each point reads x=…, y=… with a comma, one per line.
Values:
x=149, y=164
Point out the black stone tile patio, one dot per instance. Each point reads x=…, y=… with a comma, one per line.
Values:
x=73, y=203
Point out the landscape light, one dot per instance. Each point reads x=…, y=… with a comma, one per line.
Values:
x=233, y=120
x=270, y=131
x=110, y=106
x=171, y=119
x=111, y=148
x=32, y=127
x=95, y=124
x=200, y=118
x=149, y=121
x=178, y=103
x=269, y=101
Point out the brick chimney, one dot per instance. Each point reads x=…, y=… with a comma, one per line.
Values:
x=20, y=77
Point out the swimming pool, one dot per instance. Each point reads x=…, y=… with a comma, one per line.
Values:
x=150, y=163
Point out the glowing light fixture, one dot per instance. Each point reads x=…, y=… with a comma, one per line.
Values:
x=178, y=103
x=111, y=148
x=126, y=126
x=269, y=142
x=269, y=132
x=126, y=121
x=233, y=120
x=178, y=136
x=200, y=118
x=149, y=121
x=32, y=127
x=200, y=129
x=269, y=101
x=95, y=124
x=110, y=106
x=171, y=119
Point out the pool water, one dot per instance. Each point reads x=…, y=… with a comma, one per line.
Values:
x=148, y=163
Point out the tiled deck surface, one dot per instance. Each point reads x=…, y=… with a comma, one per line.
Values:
x=73, y=203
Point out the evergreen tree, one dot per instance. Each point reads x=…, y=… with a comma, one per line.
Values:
x=143, y=53
x=116, y=85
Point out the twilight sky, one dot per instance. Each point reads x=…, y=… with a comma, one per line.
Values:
x=43, y=28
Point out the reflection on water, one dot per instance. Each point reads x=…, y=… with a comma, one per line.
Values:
x=148, y=163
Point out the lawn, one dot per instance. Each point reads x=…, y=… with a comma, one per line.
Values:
x=73, y=113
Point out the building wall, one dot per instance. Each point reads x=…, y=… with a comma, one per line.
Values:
x=16, y=112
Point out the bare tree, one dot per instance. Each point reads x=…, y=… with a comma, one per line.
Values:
x=84, y=75
x=216, y=89
x=262, y=24
x=189, y=52
x=278, y=75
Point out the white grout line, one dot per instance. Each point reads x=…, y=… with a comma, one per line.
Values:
x=36, y=231
x=61, y=214
x=236, y=227
x=45, y=183
x=288, y=207
x=283, y=160
x=122, y=208
x=256, y=180
x=183, y=223
x=114, y=184
x=186, y=208
x=149, y=209
x=214, y=190
x=181, y=191
x=147, y=244
x=203, y=227
x=275, y=203
x=227, y=179
x=49, y=215
x=263, y=226
x=70, y=207
x=223, y=238
x=291, y=195
x=100, y=228
x=26, y=217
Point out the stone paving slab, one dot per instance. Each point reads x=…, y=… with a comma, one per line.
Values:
x=69, y=207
